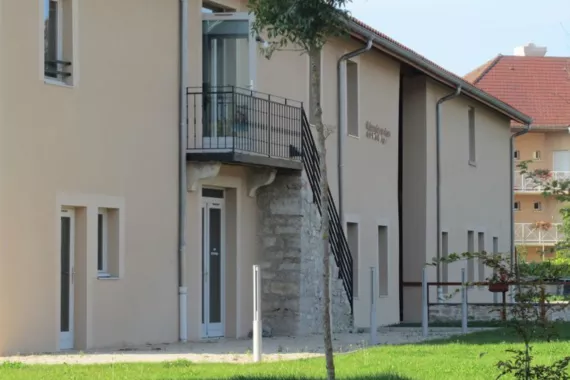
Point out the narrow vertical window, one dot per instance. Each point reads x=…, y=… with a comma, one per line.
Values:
x=495, y=245
x=102, y=245
x=353, y=244
x=481, y=248
x=470, y=249
x=472, y=150
x=352, y=98
x=383, y=270
x=444, y=254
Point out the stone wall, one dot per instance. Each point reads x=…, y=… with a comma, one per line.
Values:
x=292, y=262
x=447, y=312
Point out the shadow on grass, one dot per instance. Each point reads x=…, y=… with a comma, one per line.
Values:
x=502, y=335
x=379, y=376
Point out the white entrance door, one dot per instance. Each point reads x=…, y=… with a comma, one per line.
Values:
x=67, y=220
x=229, y=54
x=561, y=161
x=213, y=263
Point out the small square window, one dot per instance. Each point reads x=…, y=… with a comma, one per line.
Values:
x=516, y=155
x=517, y=206
x=536, y=155
x=537, y=206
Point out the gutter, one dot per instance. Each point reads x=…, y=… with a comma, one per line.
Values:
x=512, y=196
x=341, y=120
x=182, y=180
x=438, y=73
x=438, y=182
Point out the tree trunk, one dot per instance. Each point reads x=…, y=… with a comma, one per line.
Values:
x=317, y=113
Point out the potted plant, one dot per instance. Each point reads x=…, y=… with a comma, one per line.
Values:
x=499, y=283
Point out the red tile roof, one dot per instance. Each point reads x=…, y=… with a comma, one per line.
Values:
x=537, y=86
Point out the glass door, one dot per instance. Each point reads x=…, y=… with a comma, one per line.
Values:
x=213, y=260
x=228, y=63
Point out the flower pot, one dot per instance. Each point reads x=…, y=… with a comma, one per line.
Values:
x=499, y=287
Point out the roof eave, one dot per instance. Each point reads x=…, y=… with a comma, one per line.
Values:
x=438, y=74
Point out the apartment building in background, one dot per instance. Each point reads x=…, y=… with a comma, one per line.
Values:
x=123, y=121
x=539, y=85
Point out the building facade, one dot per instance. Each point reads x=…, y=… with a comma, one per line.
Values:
x=540, y=86
x=92, y=104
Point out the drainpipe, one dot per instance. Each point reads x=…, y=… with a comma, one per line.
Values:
x=182, y=182
x=438, y=182
x=341, y=120
x=512, y=196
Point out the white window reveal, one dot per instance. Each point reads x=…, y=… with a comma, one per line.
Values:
x=537, y=206
x=108, y=236
x=58, y=41
x=517, y=206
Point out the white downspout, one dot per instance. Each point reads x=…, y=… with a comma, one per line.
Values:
x=182, y=182
x=438, y=183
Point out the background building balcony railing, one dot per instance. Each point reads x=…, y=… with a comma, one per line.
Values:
x=530, y=233
x=525, y=184
x=236, y=120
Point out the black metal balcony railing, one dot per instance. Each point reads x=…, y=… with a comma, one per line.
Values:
x=229, y=118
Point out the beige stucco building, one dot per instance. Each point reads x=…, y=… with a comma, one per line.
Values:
x=90, y=115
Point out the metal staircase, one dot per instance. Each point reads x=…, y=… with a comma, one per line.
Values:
x=337, y=239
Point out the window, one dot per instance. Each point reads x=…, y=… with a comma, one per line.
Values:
x=352, y=237
x=58, y=40
x=536, y=155
x=516, y=155
x=444, y=254
x=352, y=98
x=472, y=151
x=517, y=206
x=470, y=249
x=383, y=260
x=102, y=240
x=108, y=243
x=481, y=248
x=495, y=245
x=537, y=206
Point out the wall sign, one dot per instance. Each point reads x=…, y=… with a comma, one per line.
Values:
x=374, y=132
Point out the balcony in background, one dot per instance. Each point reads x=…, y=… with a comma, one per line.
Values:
x=524, y=184
x=531, y=234
x=235, y=125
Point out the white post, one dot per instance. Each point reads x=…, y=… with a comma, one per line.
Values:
x=257, y=329
x=373, y=323
x=424, y=304
x=463, y=302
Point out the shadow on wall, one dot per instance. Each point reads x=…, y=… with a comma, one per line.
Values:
x=380, y=376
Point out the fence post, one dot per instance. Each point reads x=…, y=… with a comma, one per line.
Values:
x=257, y=328
x=373, y=324
x=424, y=304
x=463, y=302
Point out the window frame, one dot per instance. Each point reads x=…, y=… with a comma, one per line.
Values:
x=356, y=63
x=517, y=155
x=59, y=36
x=103, y=242
x=537, y=155
x=517, y=206
x=534, y=206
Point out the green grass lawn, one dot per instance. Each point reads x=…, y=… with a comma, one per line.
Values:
x=468, y=357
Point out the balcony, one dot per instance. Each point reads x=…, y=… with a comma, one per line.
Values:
x=531, y=234
x=238, y=126
x=524, y=184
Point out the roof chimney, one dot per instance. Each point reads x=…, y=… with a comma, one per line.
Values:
x=530, y=50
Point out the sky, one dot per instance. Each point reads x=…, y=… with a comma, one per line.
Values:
x=460, y=35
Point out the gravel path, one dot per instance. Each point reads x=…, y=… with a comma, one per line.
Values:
x=236, y=350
